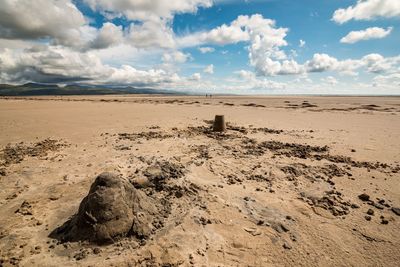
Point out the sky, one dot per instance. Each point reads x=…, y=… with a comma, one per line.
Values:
x=205, y=46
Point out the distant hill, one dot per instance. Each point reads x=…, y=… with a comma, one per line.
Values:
x=38, y=89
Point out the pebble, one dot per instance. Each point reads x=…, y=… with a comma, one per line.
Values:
x=287, y=246
x=364, y=197
x=370, y=212
x=367, y=217
x=396, y=211
x=384, y=221
x=379, y=206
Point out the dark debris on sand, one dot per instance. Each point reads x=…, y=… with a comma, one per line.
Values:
x=12, y=154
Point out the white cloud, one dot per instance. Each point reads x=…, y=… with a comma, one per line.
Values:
x=367, y=10
x=206, y=49
x=209, y=69
x=58, y=19
x=302, y=43
x=249, y=81
x=388, y=81
x=253, y=28
x=108, y=35
x=150, y=10
x=195, y=77
x=175, y=57
x=151, y=34
x=330, y=80
x=56, y=64
x=321, y=62
x=369, y=33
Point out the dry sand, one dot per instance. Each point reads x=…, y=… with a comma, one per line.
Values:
x=282, y=187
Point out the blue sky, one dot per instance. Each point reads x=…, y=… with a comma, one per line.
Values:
x=248, y=47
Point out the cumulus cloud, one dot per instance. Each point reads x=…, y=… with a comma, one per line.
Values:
x=253, y=28
x=389, y=81
x=249, y=81
x=321, y=62
x=108, y=35
x=372, y=63
x=146, y=10
x=151, y=34
x=264, y=38
x=57, y=64
x=175, y=57
x=58, y=19
x=302, y=43
x=367, y=10
x=209, y=69
x=369, y=33
x=206, y=49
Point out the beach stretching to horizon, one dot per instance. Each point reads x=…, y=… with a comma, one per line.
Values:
x=292, y=181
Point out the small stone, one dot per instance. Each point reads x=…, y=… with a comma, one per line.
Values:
x=287, y=246
x=96, y=250
x=384, y=221
x=379, y=206
x=364, y=197
x=396, y=211
x=367, y=217
x=370, y=212
x=246, y=198
x=355, y=206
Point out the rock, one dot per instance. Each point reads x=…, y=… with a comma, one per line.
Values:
x=364, y=197
x=112, y=209
x=370, y=212
x=367, y=217
x=384, y=221
x=396, y=211
x=287, y=246
x=25, y=208
x=280, y=227
x=80, y=256
x=355, y=206
x=96, y=250
x=378, y=206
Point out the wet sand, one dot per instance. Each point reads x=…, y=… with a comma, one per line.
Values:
x=294, y=181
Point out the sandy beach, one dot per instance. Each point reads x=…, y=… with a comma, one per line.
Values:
x=294, y=181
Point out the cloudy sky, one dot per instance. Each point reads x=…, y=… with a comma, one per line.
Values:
x=219, y=46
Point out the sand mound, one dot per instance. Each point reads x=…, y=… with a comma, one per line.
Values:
x=112, y=209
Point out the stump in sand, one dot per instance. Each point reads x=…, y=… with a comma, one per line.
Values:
x=112, y=209
x=219, y=124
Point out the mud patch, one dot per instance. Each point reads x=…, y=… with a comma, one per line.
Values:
x=13, y=154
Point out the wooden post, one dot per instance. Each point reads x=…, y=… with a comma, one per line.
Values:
x=219, y=124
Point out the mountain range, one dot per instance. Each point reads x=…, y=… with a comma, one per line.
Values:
x=39, y=89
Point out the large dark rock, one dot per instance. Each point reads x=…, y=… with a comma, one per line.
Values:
x=112, y=209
